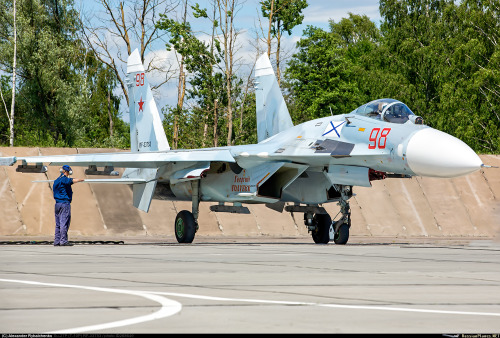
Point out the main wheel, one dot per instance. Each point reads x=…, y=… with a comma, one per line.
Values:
x=185, y=227
x=342, y=235
x=321, y=234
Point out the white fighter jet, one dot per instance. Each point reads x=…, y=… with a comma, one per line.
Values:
x=306, y=165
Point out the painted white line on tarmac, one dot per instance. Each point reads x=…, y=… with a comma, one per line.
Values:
x=168, y=307
x=171, y=307
x=342, y=306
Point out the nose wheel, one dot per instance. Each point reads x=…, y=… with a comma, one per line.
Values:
x=341, y=235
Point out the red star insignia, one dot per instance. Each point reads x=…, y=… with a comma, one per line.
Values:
x=141, y=104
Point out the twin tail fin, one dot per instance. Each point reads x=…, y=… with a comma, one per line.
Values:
x=272, y=113
x=146, y=129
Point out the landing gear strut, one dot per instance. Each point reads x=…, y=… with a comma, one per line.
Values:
x=186, y=222
x=341, y=226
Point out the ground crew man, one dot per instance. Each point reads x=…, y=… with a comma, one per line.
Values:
x=63, y=194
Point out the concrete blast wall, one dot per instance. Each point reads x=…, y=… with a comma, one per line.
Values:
x=466, y=207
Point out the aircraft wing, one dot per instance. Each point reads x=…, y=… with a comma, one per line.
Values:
x=128, y=159
x=142, y=167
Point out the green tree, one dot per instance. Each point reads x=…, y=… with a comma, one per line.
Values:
x=470, y=95
x=212, y=95
x=320, y=77
x=58, y=88
x=102, y=125
x=283, y=16
x=448, y=54
x=415, y=40
x=199, y=58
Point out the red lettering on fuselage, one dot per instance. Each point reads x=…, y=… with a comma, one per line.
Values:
x=241, y=179
x=240, y=188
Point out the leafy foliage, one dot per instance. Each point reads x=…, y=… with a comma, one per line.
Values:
x=62, y=90
x=320, y=77
x=440, y=57
x=286, y=14
x=205, y=124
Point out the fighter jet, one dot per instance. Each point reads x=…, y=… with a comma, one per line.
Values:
x=305, y=166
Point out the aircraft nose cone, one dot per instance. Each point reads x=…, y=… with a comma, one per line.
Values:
x=431, y=152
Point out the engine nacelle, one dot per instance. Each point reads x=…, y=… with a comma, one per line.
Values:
x=182, y=190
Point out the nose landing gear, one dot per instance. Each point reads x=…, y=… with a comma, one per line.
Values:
x=341, y=226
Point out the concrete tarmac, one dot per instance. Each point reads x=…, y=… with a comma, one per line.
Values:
x=222, y=285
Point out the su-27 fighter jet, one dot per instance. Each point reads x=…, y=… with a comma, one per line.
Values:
x=306, y=165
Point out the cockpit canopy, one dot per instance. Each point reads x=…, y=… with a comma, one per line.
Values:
x=388, y=110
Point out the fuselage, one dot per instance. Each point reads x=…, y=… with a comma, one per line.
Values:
x=301, y=163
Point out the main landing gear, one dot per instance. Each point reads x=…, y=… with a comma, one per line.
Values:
x=186, y=222
x=185, y=227
x=320, y=224
x=317, y=220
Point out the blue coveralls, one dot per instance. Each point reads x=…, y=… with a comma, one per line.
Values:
x=63, y=194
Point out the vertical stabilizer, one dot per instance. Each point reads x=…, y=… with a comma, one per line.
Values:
x=272, y=113
x=146, y=129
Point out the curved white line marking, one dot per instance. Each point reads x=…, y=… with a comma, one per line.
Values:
x=168, y=307
x=358, y=307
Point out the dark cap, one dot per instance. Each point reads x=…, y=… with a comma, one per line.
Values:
x=66, y=167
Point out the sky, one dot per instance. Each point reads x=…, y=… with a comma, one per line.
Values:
x=318, y=13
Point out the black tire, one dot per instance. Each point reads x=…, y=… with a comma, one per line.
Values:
x=321, y=235
x=185, y=227
x=342, y=235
